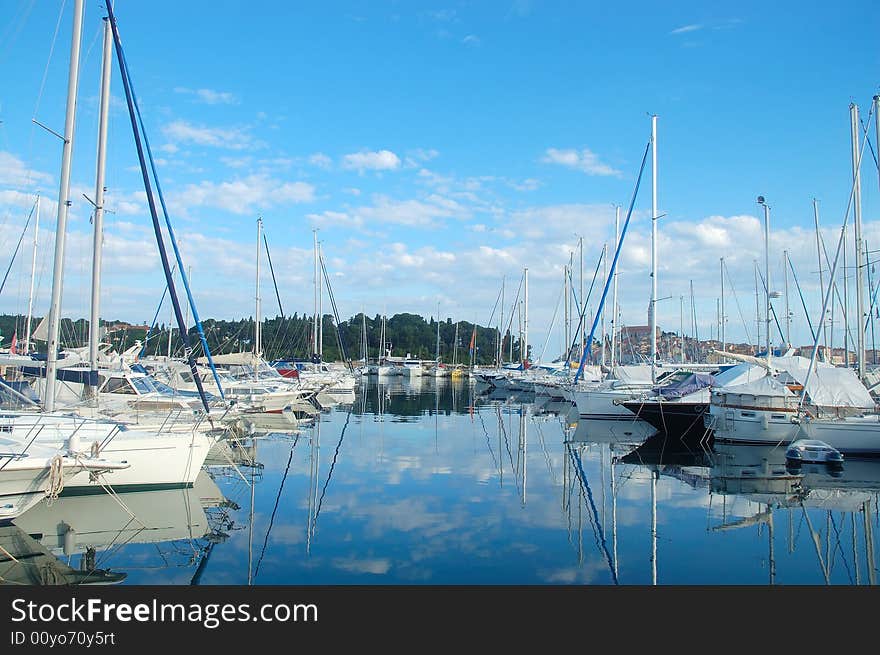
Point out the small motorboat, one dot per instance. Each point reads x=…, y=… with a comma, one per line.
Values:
x=813, y=451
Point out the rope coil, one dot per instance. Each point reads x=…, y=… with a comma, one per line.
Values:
x=56, y=479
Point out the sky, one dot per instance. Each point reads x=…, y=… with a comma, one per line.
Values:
x=440, y=148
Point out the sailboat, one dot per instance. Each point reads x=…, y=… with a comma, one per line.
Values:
x=438, y=370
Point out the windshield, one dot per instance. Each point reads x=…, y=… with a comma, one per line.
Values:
x=143, y=385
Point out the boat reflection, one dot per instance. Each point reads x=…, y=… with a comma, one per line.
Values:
x=100, y=529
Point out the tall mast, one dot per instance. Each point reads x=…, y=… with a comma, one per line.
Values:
x=821, y=277
x=525, y=345
x=315, y=320
x=566, y=323
x=614, y=293
x=653, y=308
x=501, y=332
x=63, y=208
x=27, y=338
x=787, y=310
x=320, y=308
x=437, y=355
x=767, y=267
x=604, y=280
x=757, y=311
x=681, y=326
x=98, y=227
x=258, y=332
x=583, y=302
x=857, y=213
x=722, y=334
x=845, y=306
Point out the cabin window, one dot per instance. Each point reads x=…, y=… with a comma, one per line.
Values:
x=747, y=414
x=186, y=377
x=118, y=385
x=777, y=416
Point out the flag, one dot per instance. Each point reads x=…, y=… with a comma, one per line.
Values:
x=473, y=341
x=14, y=343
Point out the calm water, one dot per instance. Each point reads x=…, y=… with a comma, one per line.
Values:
x=432, y=483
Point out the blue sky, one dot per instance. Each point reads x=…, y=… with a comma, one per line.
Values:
x=439, y=146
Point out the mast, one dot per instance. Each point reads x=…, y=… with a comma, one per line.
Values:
x=787, y=310
x=767, y=267
x=653, y=308
x=315, y=320
x=565, y=338
x=845, y=306
x=98, y=227
x=27, y=338
x=681, y=326
x=857, y=214
x=821, y=278
x=258, y=336
x=582, y=308
x=437, y=355
x=757, y=311
x=525, y=344
x=320, y=308
x=501, y=327
x=614, y=292
x=722, y=334
x=604, y=279
x=54, y=322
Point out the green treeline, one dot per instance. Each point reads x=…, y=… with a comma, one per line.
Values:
x=291, y=337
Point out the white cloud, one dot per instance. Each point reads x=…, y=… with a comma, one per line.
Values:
x=14, y=172
x=209, y=96
x=377, y=161
x=320, y=160
x=584, y=160
x=234, y=138
x=684, y=29
x=244, y=195
x=471, y=39
x=529, y=184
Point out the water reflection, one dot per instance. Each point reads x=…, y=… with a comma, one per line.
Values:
x=151, y=536
x=432, y=482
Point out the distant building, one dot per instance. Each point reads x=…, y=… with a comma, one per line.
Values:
x=638, y=332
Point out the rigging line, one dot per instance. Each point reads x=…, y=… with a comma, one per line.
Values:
x=275, y=509
x=836, y=290
x=837, y=546
x=488, y=442
x=507, y=446
x=738, y=306
x=772, y=309
x=132, y=102
x=803, y=302
x=586, y=485
x=870, y=147
x=514, y=306
x=156, y=317
x=18, y=245
x=123, y=69
x=552, y=323
x=583, y=309
x=49, y=60
x=494, y=307
x=335, y=314
x=589, y=351
x=272, y=270
x=330, y=472
x=833, y=271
